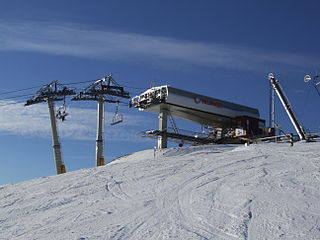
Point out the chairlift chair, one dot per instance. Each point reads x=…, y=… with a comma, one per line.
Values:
x=62, y=113
x=117, y=117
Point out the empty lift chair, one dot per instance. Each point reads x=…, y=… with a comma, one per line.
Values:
x=117, y=117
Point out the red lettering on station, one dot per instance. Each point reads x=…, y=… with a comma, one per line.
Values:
x=198, y=100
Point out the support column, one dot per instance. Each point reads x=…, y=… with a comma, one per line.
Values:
x=60, y=167
x=99, y=140
x=272, y=107
x=163, y=123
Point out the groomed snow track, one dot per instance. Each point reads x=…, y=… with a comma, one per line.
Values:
x=264, y=191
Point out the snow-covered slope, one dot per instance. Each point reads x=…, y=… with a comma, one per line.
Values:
x=264, y=191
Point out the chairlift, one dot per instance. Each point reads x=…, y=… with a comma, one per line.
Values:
x=117, y=117
x=62, y=113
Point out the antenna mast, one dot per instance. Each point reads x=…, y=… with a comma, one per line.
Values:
x=50, y=93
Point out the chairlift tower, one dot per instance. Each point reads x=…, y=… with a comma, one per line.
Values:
x=50, y=93
x=99, y=92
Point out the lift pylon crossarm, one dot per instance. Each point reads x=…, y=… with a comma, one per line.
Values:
x=94, y=92
x=287, y=106
x=81, y=97
x=106, y=86
x=34, y=101
x=41, y=99
x=63, y=92
x=53, y=91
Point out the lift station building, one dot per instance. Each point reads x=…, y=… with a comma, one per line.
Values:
x=225, y=119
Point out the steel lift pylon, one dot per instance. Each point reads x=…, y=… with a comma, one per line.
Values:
x=50, y=93
x=99, y=92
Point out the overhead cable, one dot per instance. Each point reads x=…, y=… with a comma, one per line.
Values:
x=20, y=90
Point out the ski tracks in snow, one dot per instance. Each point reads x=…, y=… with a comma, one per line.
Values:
x=231, y=199
x=265, y=191
x=186, y=200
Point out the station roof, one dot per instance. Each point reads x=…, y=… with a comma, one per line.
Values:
x=192, y=106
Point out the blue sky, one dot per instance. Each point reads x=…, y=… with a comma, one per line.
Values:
x=223, y=49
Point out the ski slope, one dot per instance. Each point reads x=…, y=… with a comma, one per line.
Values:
x=263, y=191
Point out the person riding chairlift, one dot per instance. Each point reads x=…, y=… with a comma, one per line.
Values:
x=61, y=113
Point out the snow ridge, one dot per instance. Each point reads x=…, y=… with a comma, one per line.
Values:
x=264, y=191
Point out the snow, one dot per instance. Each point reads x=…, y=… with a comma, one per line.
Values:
x=263, y=191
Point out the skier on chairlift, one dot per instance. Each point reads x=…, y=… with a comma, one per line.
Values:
x=61, y=113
